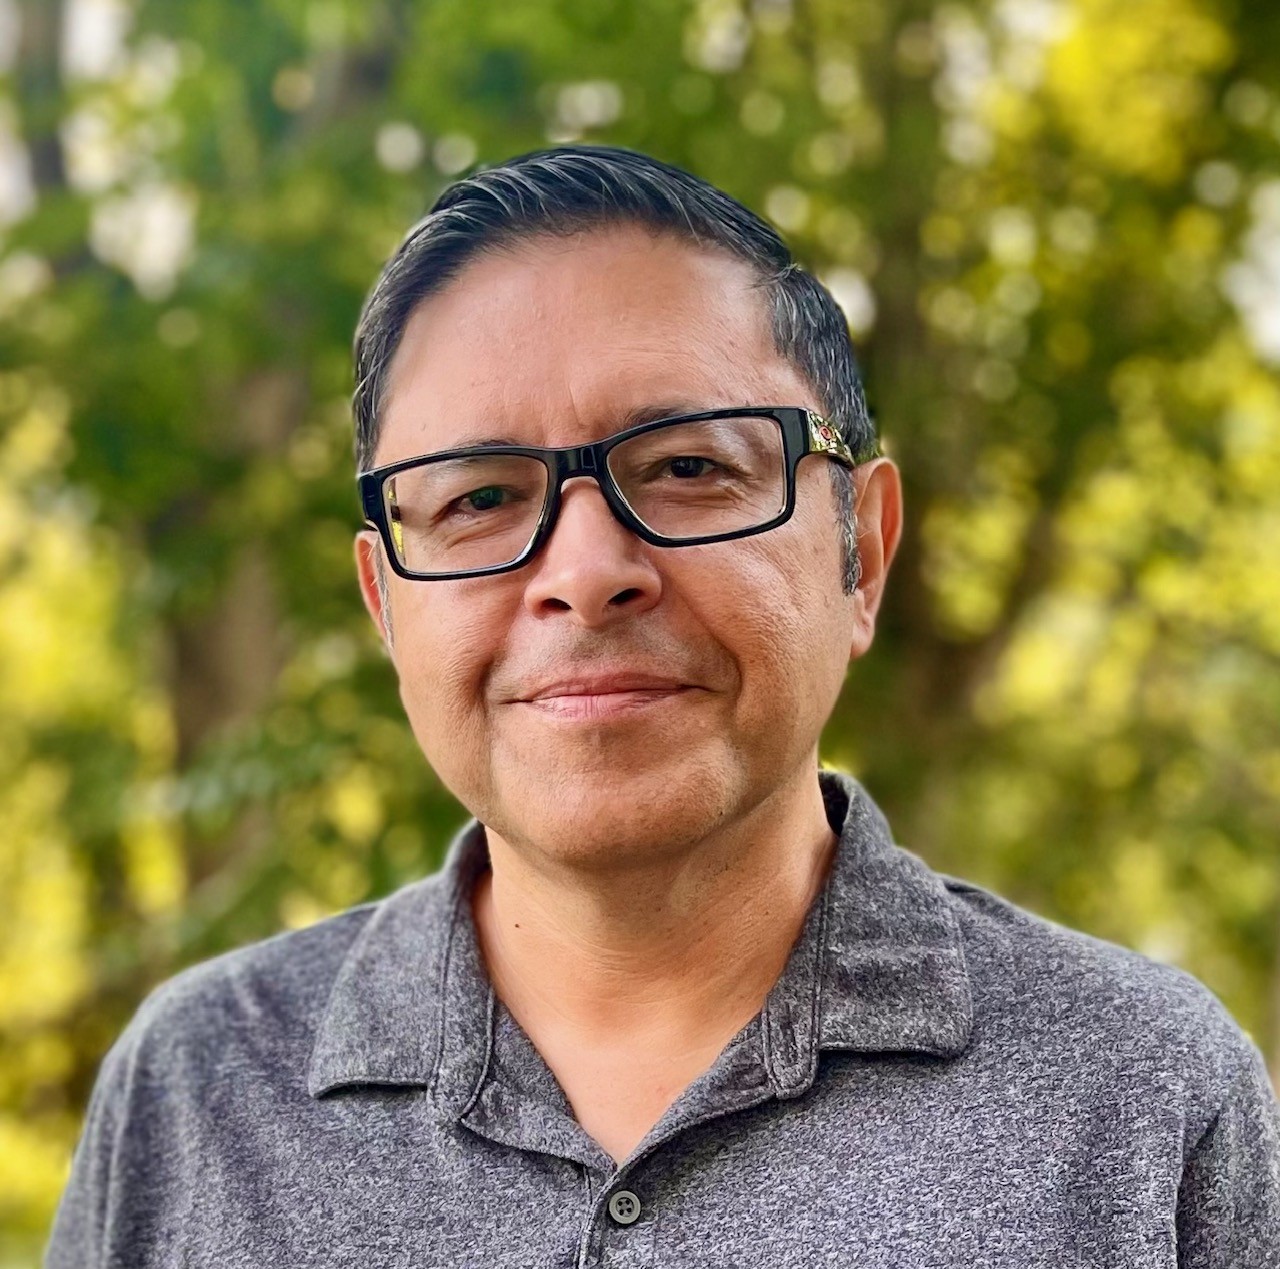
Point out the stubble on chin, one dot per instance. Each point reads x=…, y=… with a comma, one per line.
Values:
x=618, y=816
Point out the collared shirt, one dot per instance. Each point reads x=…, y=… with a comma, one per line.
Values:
x=937, y=1079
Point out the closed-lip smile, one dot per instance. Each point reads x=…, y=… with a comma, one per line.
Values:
x=605, y=685
x=603, y=696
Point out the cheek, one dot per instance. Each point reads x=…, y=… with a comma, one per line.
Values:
x=444, y=646
x=818, y=616
x=781, y=613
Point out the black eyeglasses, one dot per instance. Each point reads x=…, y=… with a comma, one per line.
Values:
x=679, y=481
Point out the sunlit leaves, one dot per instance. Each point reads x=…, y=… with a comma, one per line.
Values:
x=1054, y=226
x=1127, y=80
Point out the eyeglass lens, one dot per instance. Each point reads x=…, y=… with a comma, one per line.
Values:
x=685, y=480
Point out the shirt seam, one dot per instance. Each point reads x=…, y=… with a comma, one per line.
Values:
x=809, y=1058
x=442, y=987
x=1242, y=1067
x=584, y=1243
x=815, y=1010
x=490, y=1012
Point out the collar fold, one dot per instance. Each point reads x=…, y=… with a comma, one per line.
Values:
x=894, y=976
x=879, y=967
x=411, y=1004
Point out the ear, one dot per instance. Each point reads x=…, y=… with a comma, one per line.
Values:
x=371, y=591
x=877, y=493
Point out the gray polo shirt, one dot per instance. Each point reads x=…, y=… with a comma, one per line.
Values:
x=938, y=1078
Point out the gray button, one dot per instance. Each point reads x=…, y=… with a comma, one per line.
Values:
x=624, y=1207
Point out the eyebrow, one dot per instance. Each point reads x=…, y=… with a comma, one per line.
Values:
x=634, y=417
x=485, y=442
x=652, y=413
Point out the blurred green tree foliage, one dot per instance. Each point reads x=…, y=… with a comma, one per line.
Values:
x=1055, y=228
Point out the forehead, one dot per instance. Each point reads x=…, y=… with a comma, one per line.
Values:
x=556, y=340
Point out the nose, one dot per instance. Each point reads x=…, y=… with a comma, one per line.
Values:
x=591, y=566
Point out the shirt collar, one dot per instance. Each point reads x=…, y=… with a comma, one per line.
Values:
x=879, y=966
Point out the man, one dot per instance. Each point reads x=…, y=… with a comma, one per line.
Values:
x=675, y=998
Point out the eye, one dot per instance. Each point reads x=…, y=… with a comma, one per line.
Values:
x=484, y=499
x=688, y=465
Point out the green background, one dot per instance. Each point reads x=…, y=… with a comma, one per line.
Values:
x=1055, y=227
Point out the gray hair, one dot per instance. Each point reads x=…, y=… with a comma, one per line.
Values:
x=571, y=189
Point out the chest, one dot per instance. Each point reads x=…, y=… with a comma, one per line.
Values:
x=880, y=1165
x=618, y=1107
x=618, y=1098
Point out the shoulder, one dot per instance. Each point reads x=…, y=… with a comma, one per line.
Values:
x=280, y=978
x=1089, y=1009
x=214, y=1060
x=257, y=1007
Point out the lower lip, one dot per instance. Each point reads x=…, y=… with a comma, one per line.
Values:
x=603, y=706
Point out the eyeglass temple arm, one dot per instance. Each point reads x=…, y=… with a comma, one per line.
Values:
x=825, y=438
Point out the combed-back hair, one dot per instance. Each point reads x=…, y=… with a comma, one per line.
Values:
x=572, y=189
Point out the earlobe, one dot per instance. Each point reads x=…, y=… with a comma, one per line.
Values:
x=373, y=589
x=864, y=624
x=878, y=490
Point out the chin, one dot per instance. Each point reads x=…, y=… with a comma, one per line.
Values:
x=619, y=813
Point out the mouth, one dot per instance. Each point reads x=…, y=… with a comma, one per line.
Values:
x=604, y=695
x=605, y=705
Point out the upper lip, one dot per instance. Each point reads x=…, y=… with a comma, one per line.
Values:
x=601, y=683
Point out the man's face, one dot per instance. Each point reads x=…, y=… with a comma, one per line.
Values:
x=559, y=342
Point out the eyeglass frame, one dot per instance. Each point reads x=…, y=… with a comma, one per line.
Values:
x=804, y=432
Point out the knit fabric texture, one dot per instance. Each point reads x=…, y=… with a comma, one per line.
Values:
x=937, y=1080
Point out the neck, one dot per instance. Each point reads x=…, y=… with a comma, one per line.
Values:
x=674, y=954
